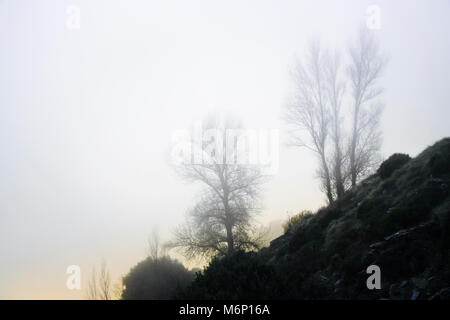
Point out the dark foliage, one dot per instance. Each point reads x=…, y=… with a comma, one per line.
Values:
x=394, y=162
x=307, y=233
x=445, y=233
x=154, y=279
x=238, y=276
x=400, y=222
x=325, y=216
x=440, y=162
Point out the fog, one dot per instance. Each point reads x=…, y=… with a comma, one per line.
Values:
x=87, y=115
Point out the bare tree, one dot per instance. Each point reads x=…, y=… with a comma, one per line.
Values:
x=104, y=283
x=92, y=292
x=99, y=286
x=220, y=221
x=317, y=110
x=366, y=65
x=335, y=89
x=310, y=111
x=155, y=248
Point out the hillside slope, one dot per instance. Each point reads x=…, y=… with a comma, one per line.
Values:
x=397, y=219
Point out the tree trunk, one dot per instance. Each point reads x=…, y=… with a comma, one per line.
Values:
x=353, y=162
x=228, y=224
x=339, y=183
x=338, y=166
x=328, y=186
x=230, y=240
x=353, y=172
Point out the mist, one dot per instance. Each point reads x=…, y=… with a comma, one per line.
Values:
x=88, y=110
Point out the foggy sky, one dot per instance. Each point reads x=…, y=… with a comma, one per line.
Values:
x=86, y=115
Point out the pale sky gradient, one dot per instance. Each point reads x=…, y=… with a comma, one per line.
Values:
x=86, y=116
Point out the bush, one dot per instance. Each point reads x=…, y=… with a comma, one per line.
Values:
x=315, y=288
x=371, y=207
x=295, y=220
x=325, y=216
x=310, y=232
x=445, y=233
x=376, y=227
x=242, y=275
x=394, y=162
x=403, y=217
x=342, y=241
x=154, y=279
x=439, y=164
x=306, y=259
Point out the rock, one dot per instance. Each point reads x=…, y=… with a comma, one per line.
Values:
x=443, y=294
x=323, y=278
x=376, y=245
x=404, y=232
x=415, y=294
x=398, y=234
x=395, y=292
x=420, y=283
x=402, y=291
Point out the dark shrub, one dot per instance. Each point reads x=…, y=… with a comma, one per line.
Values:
x=315, y=288
x=445, y=233
x=335, y=263
x=308, y=258
x=432, y=194
x=389, y=185
x=371, y=207
x=309, y=232
x=394, y=162
x=343, y=241
x=238, y=276
x=377, y=227
x=352, y=263
x=439, y=164
x=406, y=256
x=325, y=216
x=403, y=217
x=155, y=279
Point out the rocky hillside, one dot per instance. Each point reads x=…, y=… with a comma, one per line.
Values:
x=397, y=219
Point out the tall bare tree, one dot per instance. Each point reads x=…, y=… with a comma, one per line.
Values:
x=335, y=87
x=318, y=109
x=220, y=221
x=310, y=111
x=366, y=66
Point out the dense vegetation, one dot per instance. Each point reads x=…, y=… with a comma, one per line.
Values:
x=398, y=219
